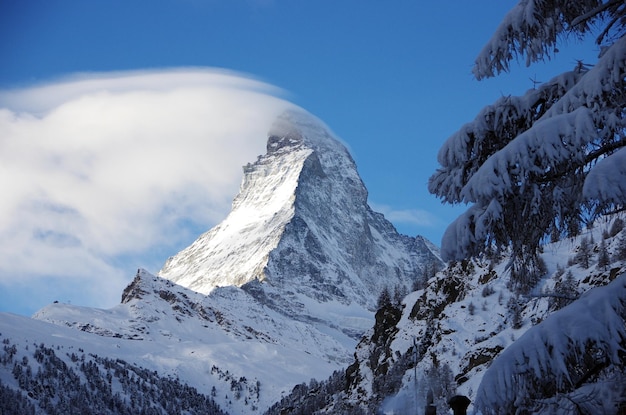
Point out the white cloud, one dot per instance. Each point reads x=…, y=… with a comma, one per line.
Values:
x=101, y=170
x=412, y=217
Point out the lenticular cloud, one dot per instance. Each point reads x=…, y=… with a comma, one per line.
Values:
x=99, y=171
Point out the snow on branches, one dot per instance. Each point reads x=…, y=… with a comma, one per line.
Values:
x=607, y=181
x=574, y=359
x=532, y=28
x=531, y=166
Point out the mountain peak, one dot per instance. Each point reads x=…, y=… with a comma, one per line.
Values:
x=297, y=127
x=301, y=222
x=284, y=133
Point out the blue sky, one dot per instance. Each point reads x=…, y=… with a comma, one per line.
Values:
x=391, y=79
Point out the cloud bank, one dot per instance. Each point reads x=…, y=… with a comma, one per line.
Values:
x=102, y=171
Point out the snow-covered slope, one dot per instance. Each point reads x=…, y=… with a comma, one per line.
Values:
x=276, y=294
x=445, y=337
x=52, y=369
x=468, y=315
x=206, y=341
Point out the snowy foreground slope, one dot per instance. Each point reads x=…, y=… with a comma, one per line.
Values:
x=276, y=294
x=559, y=348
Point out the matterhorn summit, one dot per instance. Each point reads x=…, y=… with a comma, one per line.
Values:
x=301, y=224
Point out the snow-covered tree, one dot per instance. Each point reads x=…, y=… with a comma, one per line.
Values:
x=565, y=292
x=585, y=251
x=620, y=252
x=515, y=312
x=439, y=383
x=604, y=258
x=384, y=299
x=530, y=166
x=572, y=362
x=399, y=292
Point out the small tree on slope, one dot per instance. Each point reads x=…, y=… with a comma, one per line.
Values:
x=530, y=166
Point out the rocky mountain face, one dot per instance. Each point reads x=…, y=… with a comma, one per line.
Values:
x=301, y=226
x=557, y=350
x=278, y=293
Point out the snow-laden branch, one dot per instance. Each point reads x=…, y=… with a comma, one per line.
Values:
x=537, y=151
x=602, y=86
x=607, y=180
x=531, y=29
x=495, y=126
x=594, y=12
x=585, y=114
x=523, y=161
x=559, y=354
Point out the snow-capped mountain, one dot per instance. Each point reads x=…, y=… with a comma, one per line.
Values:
x=301, y=226
x=276, y=294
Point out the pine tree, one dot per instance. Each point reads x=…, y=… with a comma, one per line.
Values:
x=384, y=299
x=564, y=292
x=620, y=251
x=515, y=312
x=471, y=309
x=399, y=292
x=531, y=166
x=583, y=256
x=603, y=256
